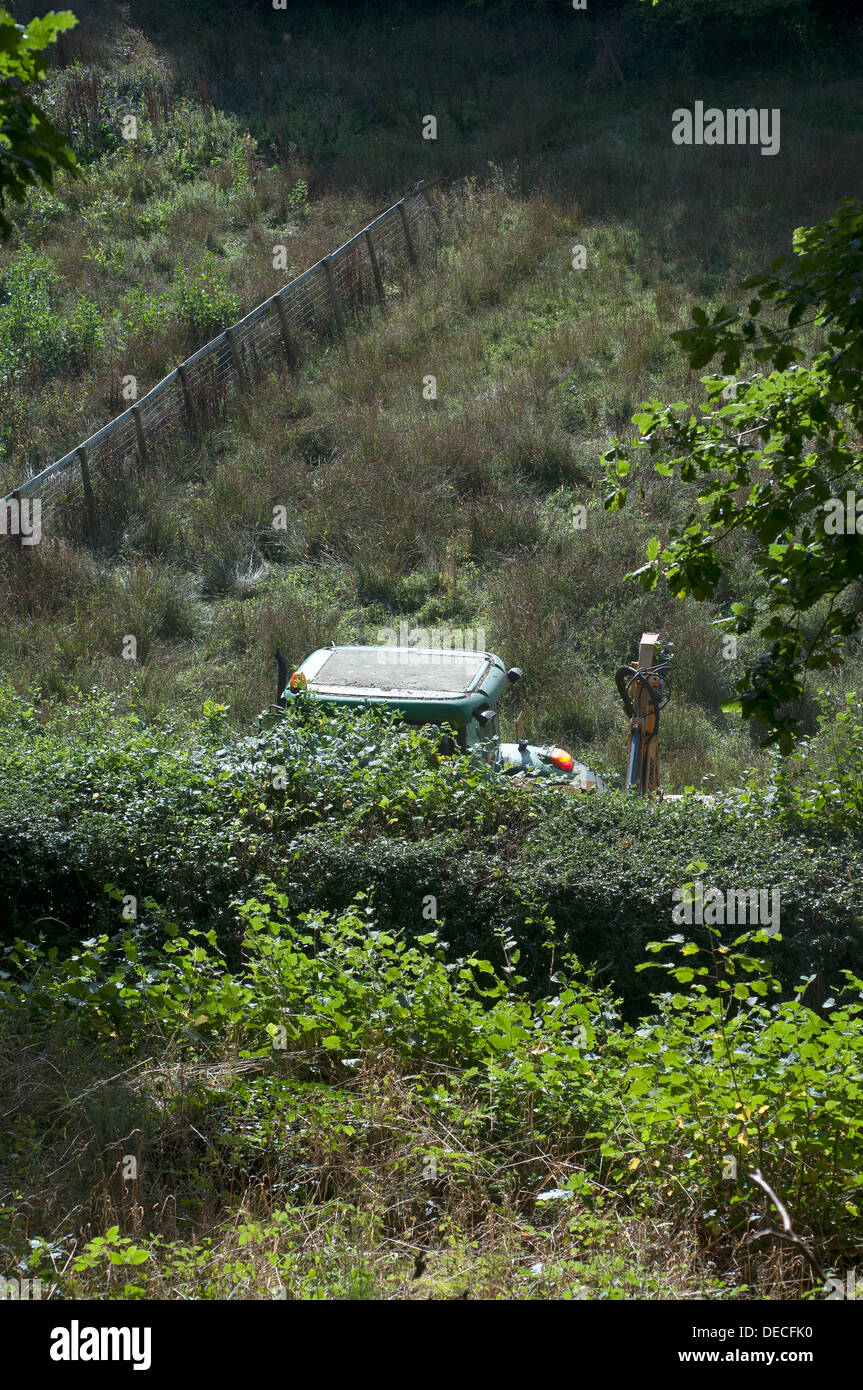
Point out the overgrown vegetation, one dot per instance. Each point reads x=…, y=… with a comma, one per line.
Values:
x=169, y=235
x=371, y=1022
x=792, y=435
x=417, y=1065
x=347, y=1094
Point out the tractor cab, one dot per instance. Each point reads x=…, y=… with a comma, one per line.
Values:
x=430, y=686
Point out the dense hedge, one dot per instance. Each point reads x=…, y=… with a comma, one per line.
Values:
x=604, y=871
x=192, y=819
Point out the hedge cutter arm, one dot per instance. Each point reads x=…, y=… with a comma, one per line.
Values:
x=645, y=689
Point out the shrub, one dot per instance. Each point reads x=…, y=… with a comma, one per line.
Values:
x=199, y=297
x=83, y=333
x=28, y=329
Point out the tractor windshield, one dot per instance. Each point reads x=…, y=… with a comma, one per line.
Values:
x=372, y=671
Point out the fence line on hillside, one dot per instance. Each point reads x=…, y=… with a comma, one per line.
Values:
x=284, y=328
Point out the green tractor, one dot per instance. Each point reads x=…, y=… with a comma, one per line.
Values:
x=459, y=691
x=454, y=690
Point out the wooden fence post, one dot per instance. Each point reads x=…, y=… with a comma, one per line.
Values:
x=334, y=298
x=196, y=412
x=291, y=352
x=188, y=401
x=236, y=358
x=140, y=436
x=412, y=255
x=376, y=270
x=84, y=465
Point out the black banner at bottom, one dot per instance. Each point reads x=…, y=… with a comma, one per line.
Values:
x=59, y=1339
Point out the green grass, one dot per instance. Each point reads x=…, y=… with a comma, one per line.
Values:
x=451, y=512
x=308, y=1169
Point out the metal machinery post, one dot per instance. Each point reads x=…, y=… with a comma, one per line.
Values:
x=645, y=689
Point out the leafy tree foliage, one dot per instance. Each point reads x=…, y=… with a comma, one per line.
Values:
x=776, y=455
x=31, y=148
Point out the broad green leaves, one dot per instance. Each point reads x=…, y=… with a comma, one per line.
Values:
x=31, y=149
x=770, y=452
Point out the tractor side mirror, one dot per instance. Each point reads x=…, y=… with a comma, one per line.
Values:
x=514, y=674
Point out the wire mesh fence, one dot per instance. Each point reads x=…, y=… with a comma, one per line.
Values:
x=81, y=493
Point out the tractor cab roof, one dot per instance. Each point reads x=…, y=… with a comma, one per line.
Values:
x=425, y=684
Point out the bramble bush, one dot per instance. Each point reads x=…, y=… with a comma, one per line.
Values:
x=722, y=1077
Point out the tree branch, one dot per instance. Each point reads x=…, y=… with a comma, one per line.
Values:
x=788, y=1233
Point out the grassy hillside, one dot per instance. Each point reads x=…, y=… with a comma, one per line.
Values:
x=538, y=365
x=381, y=1027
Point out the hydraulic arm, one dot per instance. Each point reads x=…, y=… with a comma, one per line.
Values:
x=645, y=689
